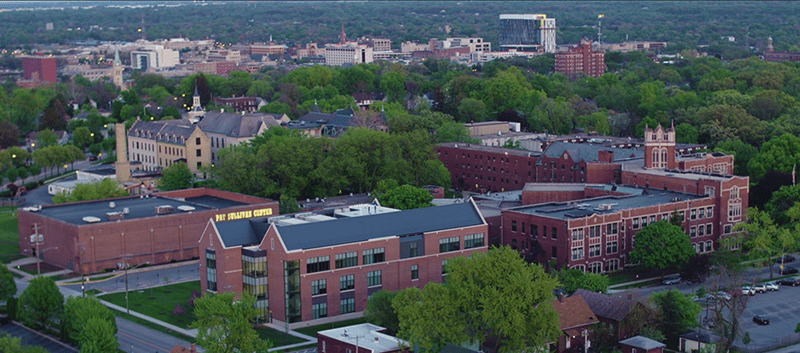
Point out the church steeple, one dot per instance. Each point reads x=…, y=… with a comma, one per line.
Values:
x=196, y=97
x=117, y=61
x=197, y=110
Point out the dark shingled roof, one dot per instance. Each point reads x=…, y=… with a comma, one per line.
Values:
x=606, y=306
x=351, y=230
x=162, y=130
x=588, y=152
x=235, y=124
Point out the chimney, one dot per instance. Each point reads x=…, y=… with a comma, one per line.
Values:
x=376, y=338
x=193, y=349
x=561, y=297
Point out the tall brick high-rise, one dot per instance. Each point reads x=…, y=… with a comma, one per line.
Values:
x=39, y=68
x=581, y=59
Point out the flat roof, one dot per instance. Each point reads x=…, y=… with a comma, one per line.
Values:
x=367, y=335
x=637, y=166
x=498, y=150
x=138, y=208
x=606, y=204
x=213, y=202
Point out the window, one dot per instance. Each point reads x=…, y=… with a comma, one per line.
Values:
x=448, y=244
x=319, y=286
x=709, y=246
x=595, y=267
x=577, y=234
x=577, y=253
x=319, y=310
x=199, y=164
x=523, y=228
x=534, y=230
x=710, y=211
x=611, y=247
x=701, y=213
x=693, y=232
x=412, y=250
x=693, y=214
x=734, y=193
x=347, y=305
x=611, y=228
x=514, y=244
x=513, y=226
x=444, y=266
x=727, y=229
x=734, y=212
x=709, y=228
x=635, y=223
x=594, y=232
x=644, y=221
x=594, y=250
x=199, y=154
x=318, y=264
x=414, y=272
x=555, y=232
x=348, y=259
x=554, y=252
x=373, y=256
x=373, y=278
x=652, y=219
x=197, y=141
x=347, y=282
x=211, y=270
x=473, y=240
x=701, y=231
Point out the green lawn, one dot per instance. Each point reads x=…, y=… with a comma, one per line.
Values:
x=9, y=240
x=278, y=338
x=153, y=326
x=312, y=330
x=159, y=302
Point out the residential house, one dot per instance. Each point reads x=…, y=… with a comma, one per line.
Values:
x=576, y=320
x=640, y=344
x=619, y=312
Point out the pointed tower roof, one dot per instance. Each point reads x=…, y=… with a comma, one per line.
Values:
x=315, y=108
x=196, y=94
x=117, y=61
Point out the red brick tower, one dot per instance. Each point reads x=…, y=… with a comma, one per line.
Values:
x=659, y=148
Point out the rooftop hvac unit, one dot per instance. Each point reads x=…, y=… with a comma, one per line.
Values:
x=114, y=216
x=164, y=209
x=112, y=204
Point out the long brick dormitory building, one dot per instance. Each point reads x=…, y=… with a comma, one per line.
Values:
x=92, y=236
x=583, y=203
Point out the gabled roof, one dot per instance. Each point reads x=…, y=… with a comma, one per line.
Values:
x=166, y=128
x=588, y=152
x=573, y=312
x=243, y=232
x=607, y=306
x=236, y=124
x=642, y=343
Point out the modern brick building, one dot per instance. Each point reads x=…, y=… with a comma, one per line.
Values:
x=39, y=68
x=358, y=250
x=91, y=236
x=581, y=59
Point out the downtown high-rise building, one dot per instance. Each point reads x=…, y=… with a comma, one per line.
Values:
x=528, y=32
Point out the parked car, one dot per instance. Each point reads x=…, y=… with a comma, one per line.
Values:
x=790, y=282
x=748, y=290
x=760, y=287
x=671, y=280
x=785, y=258
x=787, y=270
x=724, y=295
x=92, y=158
x=772, y=286
x=761, y=320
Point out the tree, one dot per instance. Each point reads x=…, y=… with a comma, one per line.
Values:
x=77, y=312
x=40, y=304
x=82, y=137
x=572, y=279
x=8, y=288
x=481, y=301
x=696, y=269
x=224, y=323
x=46, y=138
x=98, y=336
x=9, y=134
x=380, y=311
x=780, y=153
x=781, y=201
x=661, y=245
x=175, y=177
x=678, y=313
x=765, y=238
x=405, y=197
x=725, y=314
x=10, y=344
x=103, y=189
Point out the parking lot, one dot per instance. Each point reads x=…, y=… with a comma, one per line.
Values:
x=781, y=307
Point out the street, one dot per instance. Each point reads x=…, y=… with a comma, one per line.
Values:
x=144, y=278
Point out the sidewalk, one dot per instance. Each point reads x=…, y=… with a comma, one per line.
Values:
x=279, y=328
x=190, y=332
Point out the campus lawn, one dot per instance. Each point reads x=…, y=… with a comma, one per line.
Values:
x=9, y=240
x=278, y=338
x=159, y=302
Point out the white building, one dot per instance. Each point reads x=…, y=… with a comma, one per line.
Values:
x=154, y=57
x=348, y=54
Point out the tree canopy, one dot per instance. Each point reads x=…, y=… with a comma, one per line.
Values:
x=224, y=323
x=661, y=245
x=40, y=304
x=175, y=177
x=103, y=189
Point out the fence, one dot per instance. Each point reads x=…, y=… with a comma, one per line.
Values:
x=780, y=342
x=16, y=202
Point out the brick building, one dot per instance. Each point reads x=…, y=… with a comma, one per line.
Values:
x=364, y=337
x=159, y=144
x=39, y=68
x=591, y=199
x=363, y=250
x=241, y=104
x=91, y=236
x=576, y=321
x=581, y=59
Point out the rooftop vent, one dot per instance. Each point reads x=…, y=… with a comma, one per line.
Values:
x=186, y=208
x=112, y=204
x=114, y=216
x=126, y=210
x=164, y=209
x=91, y=219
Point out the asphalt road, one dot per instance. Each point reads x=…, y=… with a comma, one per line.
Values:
x=144, y=279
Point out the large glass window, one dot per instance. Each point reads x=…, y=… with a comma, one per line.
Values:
x=347, y=282
x=319, y=310
x=347, y=305
x=319, y=286
x=291, y=278
x=373, y=278
x=372, y=256
x=318, y=264
x=448, y=244
x=211, y=270
x=473, y=241
x=412, y=250
x=348, y=259
x=414, y=271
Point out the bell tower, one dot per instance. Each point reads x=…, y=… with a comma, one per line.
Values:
x=659, y=147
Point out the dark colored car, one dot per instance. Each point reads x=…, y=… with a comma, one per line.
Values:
x=786, y=258
x=790, y=282
x=761, y=320
x=787, y=270
x=93, y=158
